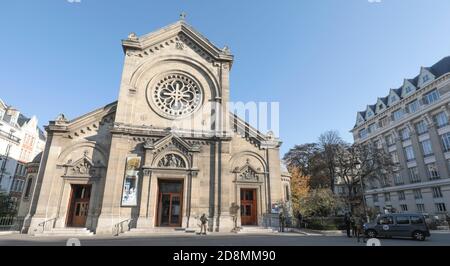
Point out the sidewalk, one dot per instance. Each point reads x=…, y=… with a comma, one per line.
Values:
x=5, y=233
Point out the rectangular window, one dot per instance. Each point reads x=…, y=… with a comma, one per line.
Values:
x=384, y=121
x=417, y=193
x=433, y=172
x=404, y=207
x=431, y=97
x=413, y=106
x=394, y=157
x=402, y=219
x=421, y=127
x=387, y=196
x=398, y=114
x=440, y=207
x=363, y=133
x=390, y=140
x=414, y=175
x=437, y=193
x=401, y=195
x=446, y=141
x=427, y=148
x=420, y=207
x=398, y=180
x=405, y=134
x=441, y=119
x=409, y=153
x=372, y=128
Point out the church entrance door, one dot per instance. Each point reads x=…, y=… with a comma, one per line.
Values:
x=79, y=205
x=170, y=203
x=248, y=207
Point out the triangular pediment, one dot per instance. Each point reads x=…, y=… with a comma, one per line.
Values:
x=171, y=140
x=158, y=39
x=83, y=167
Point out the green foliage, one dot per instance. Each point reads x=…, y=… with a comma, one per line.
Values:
x=7, y=205
x=325, y=223
x=320, y=202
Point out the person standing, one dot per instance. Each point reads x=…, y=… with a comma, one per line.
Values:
x=353, y=225
x=282, y=221
x=347, y=224
x=360, y=229
x=203, y=221
x=299, y=219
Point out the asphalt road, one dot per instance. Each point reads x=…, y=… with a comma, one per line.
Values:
x=285, y=239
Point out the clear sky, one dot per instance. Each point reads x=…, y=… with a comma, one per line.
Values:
x=323, y=60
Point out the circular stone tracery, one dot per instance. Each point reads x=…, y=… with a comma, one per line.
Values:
x=177, y=95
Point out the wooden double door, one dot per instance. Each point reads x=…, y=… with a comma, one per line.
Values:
x=170, y=203
x=249, y=215
x=79, y=205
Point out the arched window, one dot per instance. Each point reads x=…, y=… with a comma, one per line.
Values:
x=28, y=187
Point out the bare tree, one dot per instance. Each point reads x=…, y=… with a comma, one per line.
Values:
x=359, y=165
x=329, y=144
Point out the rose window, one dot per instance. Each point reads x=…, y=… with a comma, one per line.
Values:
x=177, y=95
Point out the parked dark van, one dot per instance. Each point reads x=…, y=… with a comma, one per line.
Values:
x=398, y=225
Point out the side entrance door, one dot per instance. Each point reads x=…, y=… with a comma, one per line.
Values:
x=248, y=207
x=79, y=205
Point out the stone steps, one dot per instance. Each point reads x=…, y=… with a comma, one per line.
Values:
x=158, y=230
x=256, y=230
x=69, y=232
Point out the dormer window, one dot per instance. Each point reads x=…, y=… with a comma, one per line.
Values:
x=425, y=78
x=393, y=98
x=369, y=113
x=360, y=120
x=408, y=89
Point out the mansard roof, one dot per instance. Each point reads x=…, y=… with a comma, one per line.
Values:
x=439, y=69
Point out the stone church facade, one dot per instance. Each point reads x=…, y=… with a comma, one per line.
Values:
x=144, y=161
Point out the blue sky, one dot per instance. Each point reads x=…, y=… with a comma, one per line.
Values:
x=323, y=60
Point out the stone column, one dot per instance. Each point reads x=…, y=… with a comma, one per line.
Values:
x=143, y=219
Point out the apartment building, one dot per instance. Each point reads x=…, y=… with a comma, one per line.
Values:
x=20, y=141
x=412, y=124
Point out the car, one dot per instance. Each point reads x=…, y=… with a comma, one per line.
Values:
x=398, y=225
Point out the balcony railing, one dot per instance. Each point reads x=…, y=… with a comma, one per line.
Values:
x=9, y=136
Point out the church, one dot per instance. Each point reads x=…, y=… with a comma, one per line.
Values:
x=165, y=153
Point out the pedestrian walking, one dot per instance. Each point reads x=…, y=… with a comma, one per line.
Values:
x=347, y=223
x=203, y=221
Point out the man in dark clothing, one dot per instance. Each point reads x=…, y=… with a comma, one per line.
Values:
x=299, y=219
x=282, y=221
x=203, y=221
x=347, y=224
x=360, y=229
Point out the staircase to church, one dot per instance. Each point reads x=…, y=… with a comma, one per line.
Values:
x=67, y=232
x=158, y=230
x=256, y=230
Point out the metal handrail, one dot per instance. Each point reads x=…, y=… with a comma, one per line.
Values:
x=45, y=222
x=119, y=226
